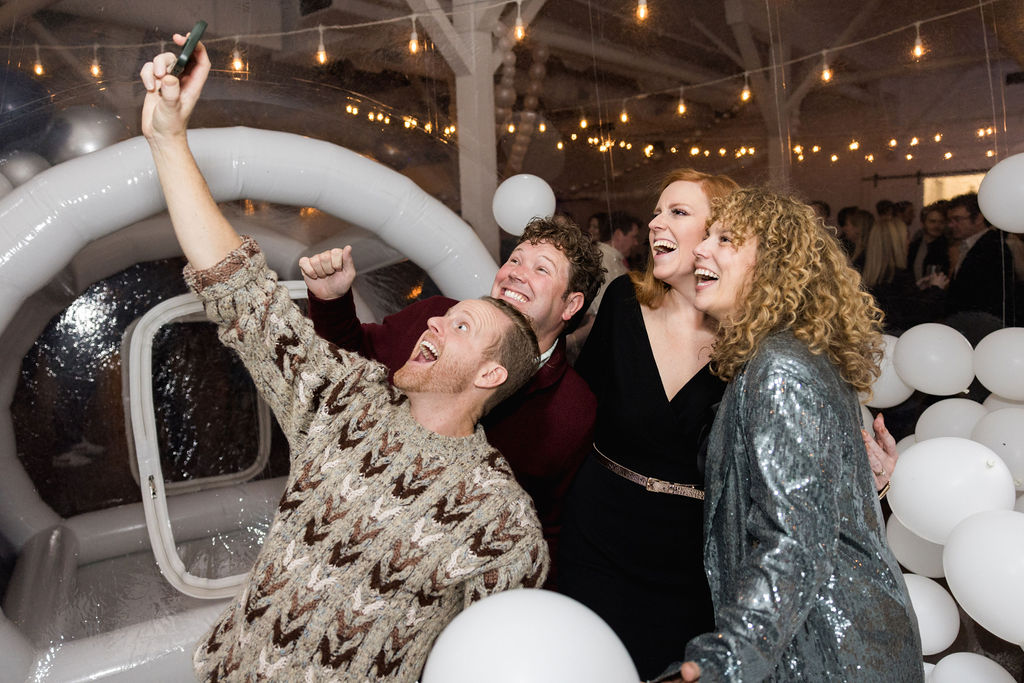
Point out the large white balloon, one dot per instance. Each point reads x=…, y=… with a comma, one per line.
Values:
x=889, y=390
x=984, y=563
x=940, y=482
x=905, y=443
x=968, y=667
x=521, y=198
x=935, y=359
x=21, y=166
x=995, y=402
x=528, y=635
x=950, y=417
x=937, y=617
x=913, y=552
x=81, y=129
x=999, y=362
x=1003, y=432
x=1001, y=194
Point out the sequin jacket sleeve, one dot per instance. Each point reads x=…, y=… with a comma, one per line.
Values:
x=783, y=449
x=295, y=371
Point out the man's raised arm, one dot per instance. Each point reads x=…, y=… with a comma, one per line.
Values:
x=204, y=234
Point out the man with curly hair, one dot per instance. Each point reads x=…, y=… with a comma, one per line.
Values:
x=805, y=586
x=546, y=429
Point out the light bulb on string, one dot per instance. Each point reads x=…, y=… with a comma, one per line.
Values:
x=745, y=93
x=918, y=50
x=321, y=51
x=37, y=68
x=641, y=10
x=681, y=106
x=414, y=39
x=542, y=127
x=94, y=68
x=826, y=70
x=624, y=115
x=583, y=121
x=520, y=30
x=236, y=58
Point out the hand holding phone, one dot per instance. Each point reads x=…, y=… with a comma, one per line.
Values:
x=190, y=45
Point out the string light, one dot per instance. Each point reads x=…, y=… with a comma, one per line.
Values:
x=947, y=155
x=414, y=40
x=892, y=142
x=37, y=68
x=95, y=69
x=854, y=145
x=870, y=158
x=834, y=158
x=990, y=153
x=520, y=30
x=816, y=149
x=745, y=94
x=542, y=127
x=914, y=142
x=560, y=145
x=826, y=71
x=694, y=151
x=321, y=51
x=798, y=149
x=624, y=115
x=511, y=128
x=583, y=122
x=641, y=10
x=909, y=156
x=236, y=58
x=918, y=50
x=681, y=107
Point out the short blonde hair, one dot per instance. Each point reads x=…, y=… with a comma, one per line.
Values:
x=801, y=281
x=650, y=291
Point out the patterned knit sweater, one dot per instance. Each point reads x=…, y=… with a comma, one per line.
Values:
x=385, y=531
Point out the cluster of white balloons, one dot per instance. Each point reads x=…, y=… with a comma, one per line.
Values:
x=954, y=492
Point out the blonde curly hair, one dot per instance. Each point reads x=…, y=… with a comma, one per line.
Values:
x=802, y=281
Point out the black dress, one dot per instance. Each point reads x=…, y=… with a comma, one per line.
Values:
x=633, y=556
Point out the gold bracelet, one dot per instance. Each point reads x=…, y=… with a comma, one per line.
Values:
x=885, y=490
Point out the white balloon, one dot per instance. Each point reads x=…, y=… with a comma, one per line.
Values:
x=905, y=443
x=1003, y=431
x=928, y=668
x=940, y=482
x=968, y=667
x=950, y=417
x=528, y=635
x=889, y=390
x=867, y=420
x=994, y=402
x=521, y=198
x=984, y=563
x=999, y=362
x=937, y=617
x=1001, y=194
x=913, y=552
x=21, y=166
x=935, y=359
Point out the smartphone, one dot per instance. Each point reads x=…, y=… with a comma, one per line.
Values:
x=186, y=52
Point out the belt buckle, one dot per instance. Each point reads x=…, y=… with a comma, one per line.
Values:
x=655, y=485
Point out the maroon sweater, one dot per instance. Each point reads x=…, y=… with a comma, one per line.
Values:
x=544, y=431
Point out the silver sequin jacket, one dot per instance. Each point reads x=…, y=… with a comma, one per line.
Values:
x=804, y=585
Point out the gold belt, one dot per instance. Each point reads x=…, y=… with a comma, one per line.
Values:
x=649, y=483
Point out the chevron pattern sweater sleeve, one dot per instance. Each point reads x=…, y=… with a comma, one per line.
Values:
x=385, y=531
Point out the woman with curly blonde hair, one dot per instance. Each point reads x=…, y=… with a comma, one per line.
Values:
x=804, y=584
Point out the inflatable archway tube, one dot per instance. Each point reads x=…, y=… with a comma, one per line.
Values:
x=46, y=221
